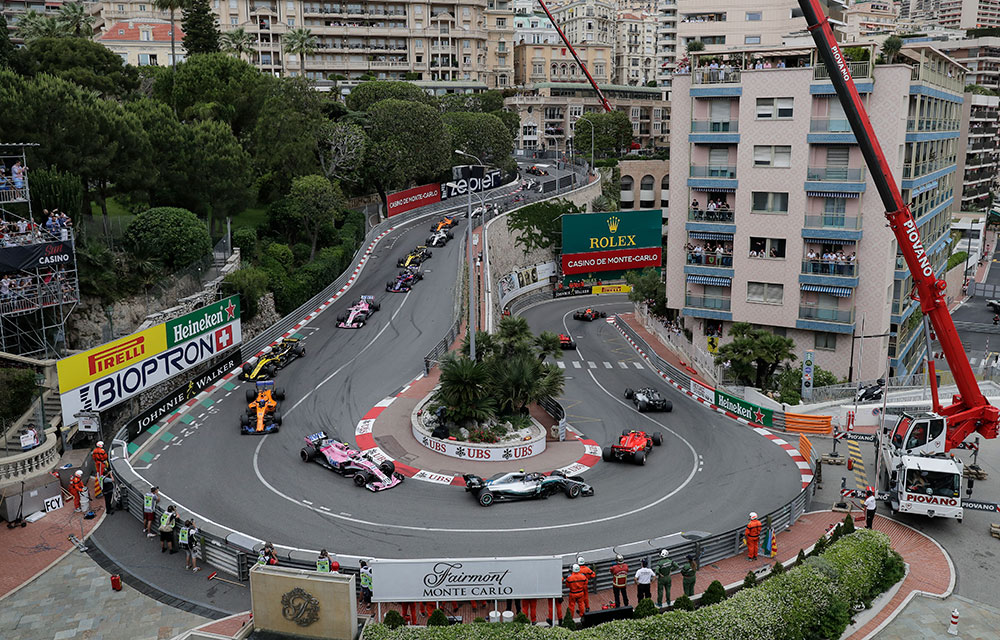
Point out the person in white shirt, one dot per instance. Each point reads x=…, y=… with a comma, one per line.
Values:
x=870, y=507
x=643, y=578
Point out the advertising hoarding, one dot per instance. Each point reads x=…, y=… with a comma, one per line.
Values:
x=611, y=288
x=586, y=232
x=476, y=177
x=593, y=262
x=408, y=199
x=111, y=373
x=36, y=256
x=523, y=280
x=466, y=579
x=744, y=409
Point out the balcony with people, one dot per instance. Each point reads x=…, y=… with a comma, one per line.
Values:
x=704, y=252
x=13, y=184
x=715, y=208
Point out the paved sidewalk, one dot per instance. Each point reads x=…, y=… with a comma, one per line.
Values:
x=929, y=618
x=661, y=350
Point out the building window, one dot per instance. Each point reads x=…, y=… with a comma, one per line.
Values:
x=234, y=21
x=770, y=202
x=765, y=292
x=146, y=35
x=767, y=247
x=142, y=8
x=290, y=6
x=751, y=39
x=501, y=22
x=466, y=44
x=774, y=108
x=291, y=22
x=418, y=44
x=537, y=69
x=635, y=113
x=502, y=80
x=575, y=111
x=753, y=16
x=825, y=340
x=121, y=8
x=772, y=156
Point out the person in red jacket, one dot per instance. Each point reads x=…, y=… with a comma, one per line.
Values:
x=587, y=571
x=751, y=535
x=76, y=488
x=577, y=584
x=530, y=608
x=100, y=457
x=619, y=579
x=410, y=612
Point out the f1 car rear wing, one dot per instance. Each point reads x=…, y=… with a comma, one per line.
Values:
x=316, y=438
x=263, y=385
x=367, y=298
x=473, y=482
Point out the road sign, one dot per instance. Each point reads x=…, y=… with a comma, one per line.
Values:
x=807, y=374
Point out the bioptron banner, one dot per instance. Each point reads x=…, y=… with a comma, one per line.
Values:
x=114, y=372
x=594, y=242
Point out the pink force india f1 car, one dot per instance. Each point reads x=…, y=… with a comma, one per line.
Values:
x=358, y=313
x=340, y=458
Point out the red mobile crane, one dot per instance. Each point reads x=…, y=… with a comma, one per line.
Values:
x=919, y=477
x=604, y=101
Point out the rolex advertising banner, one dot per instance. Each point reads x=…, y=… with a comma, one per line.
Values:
x=475, y=579
x=107, y=375
x=744, y=409
x=622, y=240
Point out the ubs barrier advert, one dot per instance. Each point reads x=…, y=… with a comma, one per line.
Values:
x=466, y=579
x=484, y=452
x=403, y=201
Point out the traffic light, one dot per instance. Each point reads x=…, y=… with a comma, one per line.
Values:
x=807, y=373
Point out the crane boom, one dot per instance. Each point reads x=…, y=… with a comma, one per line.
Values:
x=969, y=411
x=604, y=101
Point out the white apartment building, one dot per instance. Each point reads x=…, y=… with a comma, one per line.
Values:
x=978, y=150
x=587, y=21
x=635, y=50
x=967, y=14
x=869, y=21
x=666, y=40
x=729, y=24
x=795, y=240
x=533, y=27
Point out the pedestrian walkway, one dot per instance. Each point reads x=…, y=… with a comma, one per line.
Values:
x=589, y=364
x=929, y=618
x=662, y=350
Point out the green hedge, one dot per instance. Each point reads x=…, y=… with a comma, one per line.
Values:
x=801, y=604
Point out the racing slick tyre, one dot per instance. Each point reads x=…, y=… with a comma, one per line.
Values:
x=388, y=467
x=276, y=418
x=270, y=370
x=307, y=454
x=606, y=454
x=376, y=307
x=641, y=406
x=657, y=439
x=629, y=394
x=279, y=393
x=602, y=314
x=388, y=286
x=428, y=255
x=361, y=323
x=486, y=498
x=450, y=235
x=250, y=395
x=299, y=351
x=625, y=432
x=639, y=457
x=418, y=276
x=361, y=479
x=244, y=420
x=247, y=370
x=573, y=491
x=668, y=406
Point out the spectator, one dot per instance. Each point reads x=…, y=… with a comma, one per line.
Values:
x=167, y=523
x=108, y=489
x=189, y=542
x=643, y=578
x=149, y=502
x=695, y=205
x=18, y=173
x=365, y=578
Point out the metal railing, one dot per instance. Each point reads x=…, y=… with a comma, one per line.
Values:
x=826, y=314
x=719, y=303
x=714, y=76
x=830, y=125
x=715, y=126
x=713, y=215
x=859, y=69
x=711, y=259
x=833, y=221
x=933, y=124
x=830, y=268
x=917, y=169
x=835, y=174
x=727, y=171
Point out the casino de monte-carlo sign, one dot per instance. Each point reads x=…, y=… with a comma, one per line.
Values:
x=466, y=579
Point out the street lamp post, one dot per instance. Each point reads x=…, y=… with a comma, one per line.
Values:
x=468, y=246
x=592, y=159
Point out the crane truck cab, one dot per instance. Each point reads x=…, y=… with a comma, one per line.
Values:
x=919, y=477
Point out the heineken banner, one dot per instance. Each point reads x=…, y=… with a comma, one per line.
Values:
x=744, y=409
x=107, y=375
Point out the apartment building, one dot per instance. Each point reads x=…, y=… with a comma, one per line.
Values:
x=978, y=150
x=872, y=20
x=981, y=56
x=784, y=228
x=534, y=28
x=967, y=14
x=142, y=42
x=666, y=40
x=728, y=24
x=587, y=21
x=446, y=46
x=635, y=49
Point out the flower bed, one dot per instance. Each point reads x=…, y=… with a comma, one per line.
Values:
x=811, y=601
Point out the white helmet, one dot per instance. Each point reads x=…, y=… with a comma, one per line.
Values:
x=79, y=472
x=100, y=443
x=753, y=515
x=579, y=559
x=619, y=558
x=576, y=568
x=663, y=553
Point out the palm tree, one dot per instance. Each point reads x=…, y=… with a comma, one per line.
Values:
x=172, y=6
x=547, y=344
x=486, y=345
x=302, y=43
x=237, y=41
x=35, y=25
x=891, y=47
x=513, y=334
x=464, y=390
x=74, y=17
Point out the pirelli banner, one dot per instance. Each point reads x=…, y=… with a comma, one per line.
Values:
x=114, y=372
x=619, y=241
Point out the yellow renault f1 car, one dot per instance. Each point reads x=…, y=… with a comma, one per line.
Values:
x=275, y=357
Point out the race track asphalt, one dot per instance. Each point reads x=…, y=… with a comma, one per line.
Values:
x=708, y=474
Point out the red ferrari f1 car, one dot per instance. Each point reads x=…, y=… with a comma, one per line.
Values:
x=633, y=446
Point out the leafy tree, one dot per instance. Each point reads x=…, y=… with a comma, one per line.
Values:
x=51, y=189
x=174, y=236
x=568, y=622
x=407, y=143
x=167, y=168
x=750, y=580
x=201, y=28
x=366, y=94
x=438, y=618
x=76, y=19
x=646, y=285
x=848, y=525
x=287, y=133
x=172, y=6
x=891, y=48
x=755, y=354
x=394, y=619
x=17, y=391
x=645, y=608
x=246, y=239
x=219, y=177
x=714, y=594
x=302, y=43
x=237, y=41
x=6, y=46
x=539, y=225
x=316, y=201
x=464, y=390
x=777, y=569
x=683, y=603
x=790, y=382
x=33, y=25
x=547, y=345
x=341, y=148
x=215, y=87
x=510, y=120
x=482, y=135
x=694, y=46
x=81, y=61
x=612, y=132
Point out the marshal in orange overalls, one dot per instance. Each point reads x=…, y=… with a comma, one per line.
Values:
x=577, y=583
x=752, y=536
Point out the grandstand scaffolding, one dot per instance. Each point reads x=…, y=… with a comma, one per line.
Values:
x=39, y=287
